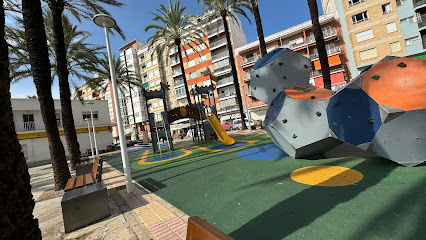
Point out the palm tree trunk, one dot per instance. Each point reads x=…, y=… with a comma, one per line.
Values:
x=259, y=27
x=234, y=72
x=319, y=38
x=16, y=201
x=40, y=67
x=64, y=86
x=188, y=96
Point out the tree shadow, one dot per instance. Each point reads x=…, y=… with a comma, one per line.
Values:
x=302, y=209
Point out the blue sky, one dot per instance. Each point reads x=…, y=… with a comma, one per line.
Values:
x=136, y=15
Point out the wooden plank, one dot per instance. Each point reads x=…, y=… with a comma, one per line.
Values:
x=200, y=229
x=79, y=182
x=70, y=184
x=89, y=179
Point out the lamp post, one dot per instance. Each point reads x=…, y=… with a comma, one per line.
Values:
x=94, y=130
x=90, y=138
x=247, y=111
x=106, y=22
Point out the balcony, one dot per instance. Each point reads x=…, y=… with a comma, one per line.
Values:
x=215, y=30
x=225, y=82
x=249, y=60
x=422, y=21
x=226, y=109
x=180, y=95
x=176, y=73
x=179, y=83
x=173, y=51
x=336, y=69
x=222, y=70
x=418, y=3
x=205, y=71
x=226, y=95
x=326, y=34
x=218, y=43
x=34, y=126
x=220, y=55
x=330, y=52
x=247, y=78
x=174, y=62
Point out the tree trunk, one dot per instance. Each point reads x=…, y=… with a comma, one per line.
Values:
x=16, y=201
x=234, y=72
x=35, y=36
x=319, y=38
x=259, y=27
x=188, y=96
x=64, y=86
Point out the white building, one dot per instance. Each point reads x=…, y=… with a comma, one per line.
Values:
x=32, y=135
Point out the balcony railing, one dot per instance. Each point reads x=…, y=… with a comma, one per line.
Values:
x=33, y=126
x=227, y=94
x=419, y=3
x=174, y=61
x=326, y=34
x=215, y=30
x=224, y=81
x=173, y=51
x=249, y=60
x=180, y=95
x=179, y=82
x=229, y=108
x=422, y=21
x=176, y=73
x=247, y=77
x=205, y=71
x=330, y=52
x=217, y=43
x=221, y=69
x=334, y=69
x=220, y=55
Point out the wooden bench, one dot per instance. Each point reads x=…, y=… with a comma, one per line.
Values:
x=85, y=199
x=199, y=229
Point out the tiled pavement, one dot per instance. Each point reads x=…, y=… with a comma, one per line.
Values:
x=137, y=215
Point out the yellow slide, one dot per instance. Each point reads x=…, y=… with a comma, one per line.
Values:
x=220, y=132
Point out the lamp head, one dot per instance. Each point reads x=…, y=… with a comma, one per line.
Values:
x=103, y=20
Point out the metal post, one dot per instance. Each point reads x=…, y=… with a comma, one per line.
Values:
x=107, y=22
x=247, y=112
x=167, y=136
x=94, y=130
x=158, y=137
x=90, y=138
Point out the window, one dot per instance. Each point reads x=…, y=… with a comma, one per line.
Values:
x=156, y=72
x=354, y=2
x=395, y=47
x=151, y=84
x=160, y=103
x=189, y=51
x=391, y=27
x=203, y=58
x=154, y=62
x=206, y=83
x=148, y=64
x=367, y=54
x=386, y=8
x=150, y=74
x=193, y=75
x=360, y=17
x=191, y=63
x=86, y=115
x=157, y=83
x=365, y=35
x=201, y=47
x=409, y=41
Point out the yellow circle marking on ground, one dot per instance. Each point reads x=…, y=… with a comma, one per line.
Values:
x=326, y=176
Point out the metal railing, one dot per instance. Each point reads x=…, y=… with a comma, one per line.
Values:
x=228, y=108
x=334, y=69
x=331, y=51
x=250, y=59
x=419, y=2
x=173, y=51
x=219, y=55
x=326, y=34
x=221, y=69
x=179, y=82
x=176, y=72
x=174, y=61
x=33, y=126
x=215, y=30
x=422, y=21
x=224, y=81
x=179, y=95
x=217, y=43
x=226, y=94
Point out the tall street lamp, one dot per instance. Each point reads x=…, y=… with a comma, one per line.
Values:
x=94, y=130
x=106, y=22
x=90, y=138
x=247, y=110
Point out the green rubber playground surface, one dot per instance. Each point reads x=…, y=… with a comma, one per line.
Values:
x=257, y=198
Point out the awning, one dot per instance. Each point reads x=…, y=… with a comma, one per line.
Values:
x=332, y=61
x=336, y=79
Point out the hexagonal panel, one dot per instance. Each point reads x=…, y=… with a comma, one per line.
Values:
x=274, y=108
x=353, y=116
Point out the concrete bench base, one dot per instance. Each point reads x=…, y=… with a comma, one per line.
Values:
x=83, y=206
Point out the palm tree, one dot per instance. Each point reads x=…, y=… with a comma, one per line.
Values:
x=176, y=27
x=259, y=27
x=79, y=9
x=102, y=79
x=319, y=38
x=228, y=9
x=16, y=200
x=32, y=96
x=35, y=36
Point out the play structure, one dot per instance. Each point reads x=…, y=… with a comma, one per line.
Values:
x=383, y=110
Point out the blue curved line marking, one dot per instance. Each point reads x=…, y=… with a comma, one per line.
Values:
x=268, y=151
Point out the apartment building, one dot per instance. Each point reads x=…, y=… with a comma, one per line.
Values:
x=31, y=132
x=373, y=29
x=84, y=92
x=132, y=106
x=299, y=38
x=213, y=59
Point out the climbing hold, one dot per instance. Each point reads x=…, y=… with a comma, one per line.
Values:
x=280, y=63
x=280, y=106
x=312, y=97
x=401, y=65
x=306, y=66
x=284, y=77
x=274, y=90
x=335, y=124
x=375, y=77
x=266, y=117
x=254, y=88
x=318, y=114
x=272, y=104
x=285, y=121
x=335, y=104
x=257, y=75
x=370, y=121
x=294, y=136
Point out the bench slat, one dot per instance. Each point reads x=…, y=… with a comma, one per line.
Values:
x=70, y=184
x=95, y=169
x=89, y=179
x=79, y=182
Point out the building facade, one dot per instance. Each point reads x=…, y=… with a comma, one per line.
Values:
x=375, y=29
x=86, y=93
x=32, y=135
x=299, y=38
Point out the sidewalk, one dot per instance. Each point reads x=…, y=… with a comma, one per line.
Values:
x=138, y=215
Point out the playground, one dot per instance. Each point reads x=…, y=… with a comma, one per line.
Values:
x=253, y=190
